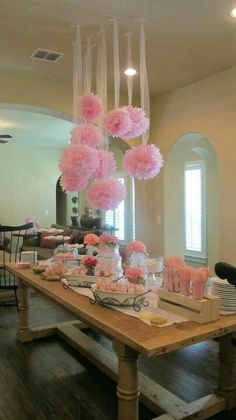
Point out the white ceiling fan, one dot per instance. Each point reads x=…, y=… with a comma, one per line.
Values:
x=4, y=138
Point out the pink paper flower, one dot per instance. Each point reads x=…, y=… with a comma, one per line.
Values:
x=79, y=159
x=106, y=194
x=136, y=246
x=117, y=122
x=71, y=182
x=89, y=261
x=139, y=122
x=86, y=133
x=134, y=274
x=90, y=107
x=143, y=162
x=106, y=166
x=91, y=239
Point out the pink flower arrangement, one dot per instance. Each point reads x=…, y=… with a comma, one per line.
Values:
x=136, y=246
x=143, y=162
x=117, y=122
x=139, y=122
x=79, y=159
x=109, y=240
x=90, y=107
x=106, y=194
x=106, y=166
x=86, y=133
x=71, y=182
x=89, y=261
x=134, y=275
x=91, y=239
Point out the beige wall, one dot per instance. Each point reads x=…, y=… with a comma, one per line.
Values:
x=207, y=107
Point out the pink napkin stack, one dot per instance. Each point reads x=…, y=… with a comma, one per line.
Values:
x=199, y=282
x=171, y=278
x=187, y=280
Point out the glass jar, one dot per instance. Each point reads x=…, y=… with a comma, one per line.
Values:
x=65, y=252
x=138, y=259
x=108, y=256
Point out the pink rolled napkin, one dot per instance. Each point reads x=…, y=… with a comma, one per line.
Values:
x=185, y=280
x=199, y=283
x=175, y=278
x=171, y=280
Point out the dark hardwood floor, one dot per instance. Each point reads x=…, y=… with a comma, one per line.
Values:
x=47, y=379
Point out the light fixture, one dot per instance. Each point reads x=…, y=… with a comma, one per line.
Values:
x=6, y=124
x=233, y=13
x=130, y=72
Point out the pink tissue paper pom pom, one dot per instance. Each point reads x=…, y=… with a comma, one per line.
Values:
x=143, y=162
x=88, y=134
x=136, y=246
x=72, y=183
x=90, y=107
x=139, y=122
x=80, y=159
x=117, y=122
x=106, y=166
x=106, y=194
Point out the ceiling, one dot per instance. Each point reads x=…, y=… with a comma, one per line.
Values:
x=186, y=40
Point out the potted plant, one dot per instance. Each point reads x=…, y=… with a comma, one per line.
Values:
x=98, y=219
x=75, y=220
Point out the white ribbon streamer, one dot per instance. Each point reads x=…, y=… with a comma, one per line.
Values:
x=116, y=64
x=102, y=77
x=130, y=79
x=144, y=88
x=88, y=67
x=77, y=74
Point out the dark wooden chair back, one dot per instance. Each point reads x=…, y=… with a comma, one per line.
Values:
x=11, y=239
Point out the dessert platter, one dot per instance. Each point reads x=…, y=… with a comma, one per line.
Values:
x=79, y=280
x=118, y=294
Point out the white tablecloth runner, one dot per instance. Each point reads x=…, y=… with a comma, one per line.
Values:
x=152, y=309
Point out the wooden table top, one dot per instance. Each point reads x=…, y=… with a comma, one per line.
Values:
x=135, y=333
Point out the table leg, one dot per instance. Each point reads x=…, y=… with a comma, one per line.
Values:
x=227, y=370
x=24, y=333
x=127, y=387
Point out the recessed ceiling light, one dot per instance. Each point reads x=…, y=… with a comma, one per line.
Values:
x=130, y=72
x=233, y=13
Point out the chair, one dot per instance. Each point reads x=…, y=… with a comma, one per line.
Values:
x=11, y=240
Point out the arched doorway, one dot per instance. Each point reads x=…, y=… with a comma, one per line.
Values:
x=191, y=147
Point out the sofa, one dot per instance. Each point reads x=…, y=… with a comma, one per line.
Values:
x=45, y=249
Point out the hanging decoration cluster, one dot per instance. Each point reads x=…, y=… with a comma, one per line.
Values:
x=82, y=160
x=87, y=163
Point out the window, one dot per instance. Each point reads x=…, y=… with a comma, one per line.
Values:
x=123, y=217
x=195, y=214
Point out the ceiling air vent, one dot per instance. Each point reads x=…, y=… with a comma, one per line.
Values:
x=46, y=55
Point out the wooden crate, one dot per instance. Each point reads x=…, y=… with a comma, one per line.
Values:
x=201, y=311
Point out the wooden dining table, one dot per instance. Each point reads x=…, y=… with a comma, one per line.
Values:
x=131, y=337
